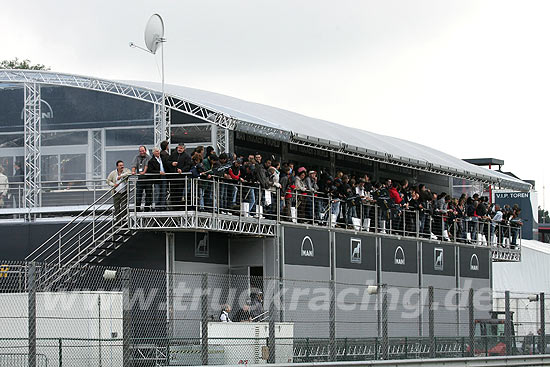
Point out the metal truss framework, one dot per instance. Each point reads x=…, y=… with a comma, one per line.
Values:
x=32, y=117
x=97, y=154
x=161, y=126
x=191, y=220
x=227, y=122
x=118, y=88
x=222, y=140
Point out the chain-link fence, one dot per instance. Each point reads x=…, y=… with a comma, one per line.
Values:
x=104, y=316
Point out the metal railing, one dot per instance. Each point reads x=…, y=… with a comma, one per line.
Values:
x=219, y=198
x=88, y=238
x=56, y=197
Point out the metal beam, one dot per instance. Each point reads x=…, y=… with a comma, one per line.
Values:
x=31, y=120
x=97, y=154
x=122, y=89
x=161, y=126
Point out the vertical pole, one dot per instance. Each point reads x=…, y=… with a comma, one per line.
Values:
x=471, y=321
x=507, y=323
x=99, y=346
x=385, y=342
x=417, y=223
x=204, y=319
x=163, y=134
x=431, y=321
x=170, y=242
x=31, y=286
x=332, y=322
x=271, y=344
x=60, y=352
x=126, y=319
x=542, y=349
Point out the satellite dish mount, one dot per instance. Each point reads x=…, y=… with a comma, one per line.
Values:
x=154, y=37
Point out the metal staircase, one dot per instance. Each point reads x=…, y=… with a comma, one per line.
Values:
x=86, y=240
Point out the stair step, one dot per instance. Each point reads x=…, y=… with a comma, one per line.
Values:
x=98, y=255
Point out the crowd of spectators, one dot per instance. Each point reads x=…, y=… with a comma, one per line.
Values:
x=271, y=188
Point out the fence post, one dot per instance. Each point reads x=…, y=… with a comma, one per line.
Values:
x=542, y=349
x=204, y=319
x=332, y=322
x=126, y=319
x=431, y=320
x=60, y=352
x=31, y=286
x=385, y=342
x=471, y=321
x=271, y=345
x=507, y=323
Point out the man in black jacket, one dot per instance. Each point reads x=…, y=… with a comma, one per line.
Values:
x=179, y=162
x=157, y=167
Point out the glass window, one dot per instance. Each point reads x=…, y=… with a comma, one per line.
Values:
x=191, y=134
x=50, y=168
x=64, y=138
x=72, y=167
x=127, y=156
x=138, y=136
x=11, y=140
x=11, y=107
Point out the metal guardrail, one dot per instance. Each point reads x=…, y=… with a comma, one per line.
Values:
x=180, y=201
x=523, y=361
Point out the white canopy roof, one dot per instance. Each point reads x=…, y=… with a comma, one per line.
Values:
x=332, y=133
x=529, y=275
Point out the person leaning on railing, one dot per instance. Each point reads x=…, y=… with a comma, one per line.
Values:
x=4, y=185
x=117, y=180
x=286, y=179
x=198, y=171
x=301, y=192
x=515, y=224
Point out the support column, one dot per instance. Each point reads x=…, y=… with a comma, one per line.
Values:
x=204, y=319
x=431, y=321
x=170, y=244
x=385, y=340
x=31, y=288
x=97, y=158
x=222, y=140
x=471, y=322
x=127, y=358
x=161, y=125
x=32, y=126
x=507, y=324
x=542, y=349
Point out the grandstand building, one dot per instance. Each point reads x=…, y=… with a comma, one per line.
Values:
x=69, y=130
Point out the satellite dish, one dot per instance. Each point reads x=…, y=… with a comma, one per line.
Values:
x=154, y=33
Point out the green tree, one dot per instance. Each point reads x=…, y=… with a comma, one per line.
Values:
x=21, y=64
x=543, y=216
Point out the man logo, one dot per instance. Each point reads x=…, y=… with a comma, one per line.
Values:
x=46, y=111
x=307, y=247
x=355, y=248
x=438, y=258
x=399, y=257
x=474, y=263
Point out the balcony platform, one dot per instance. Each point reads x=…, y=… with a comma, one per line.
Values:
x=202, y=221
x=192, y=220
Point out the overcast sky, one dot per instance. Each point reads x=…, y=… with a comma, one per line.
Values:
x=470, y=78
